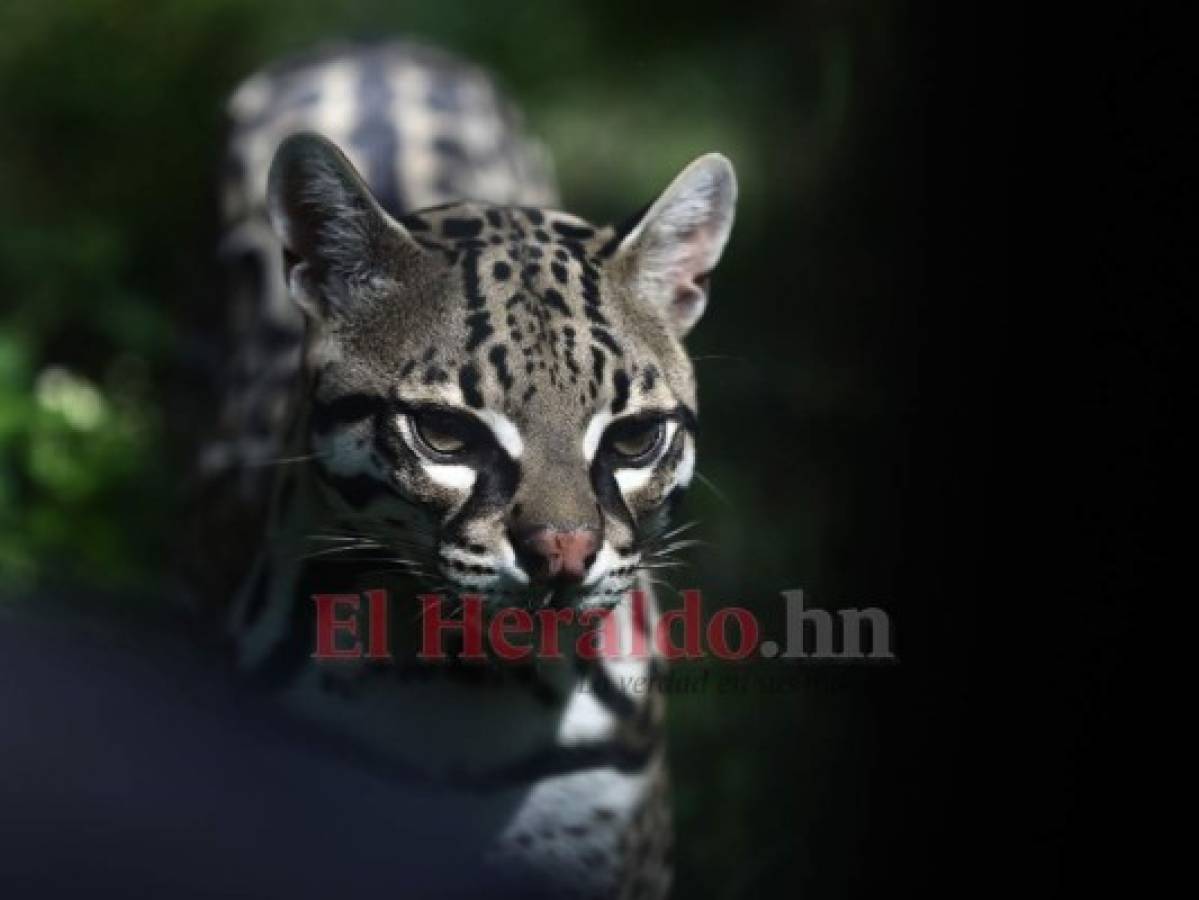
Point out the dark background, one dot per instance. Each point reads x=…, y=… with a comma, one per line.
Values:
x=862, y=416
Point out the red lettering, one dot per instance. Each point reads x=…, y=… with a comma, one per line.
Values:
x=639, y=649
x=689, y=618
x=379, y=638
x=548, y=621
x=747, y=627
x=603, y=640
x=432, y=625
x=328, y=624
x=522, y=623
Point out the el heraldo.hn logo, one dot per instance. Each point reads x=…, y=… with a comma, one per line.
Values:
x=358, y=626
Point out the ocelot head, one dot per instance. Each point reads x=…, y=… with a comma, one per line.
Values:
x=499, y=396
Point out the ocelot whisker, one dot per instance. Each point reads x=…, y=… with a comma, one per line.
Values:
x=686, y=526
x=334, y=551
x=286, y=460
x=668, y=564
x=681, y=545
x=711, y=485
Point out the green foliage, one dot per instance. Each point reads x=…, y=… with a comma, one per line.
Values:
x=74, y=454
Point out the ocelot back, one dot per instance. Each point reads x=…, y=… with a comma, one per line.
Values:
x=443, y=384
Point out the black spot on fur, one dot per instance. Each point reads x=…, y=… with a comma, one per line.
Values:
x=499, y=358
x=607, y=340
x=620, y=383
x=470, y=281
x=479, y=324
x=461, y=228
x=468, y=380
x=594, y=314
x=597, y=364
x=554, y=299
x=574, y=232
x=501, y=270
x=559, y=271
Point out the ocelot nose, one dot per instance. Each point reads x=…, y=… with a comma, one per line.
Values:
x=556, y=554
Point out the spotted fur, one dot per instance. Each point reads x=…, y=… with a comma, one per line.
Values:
x=407, y=263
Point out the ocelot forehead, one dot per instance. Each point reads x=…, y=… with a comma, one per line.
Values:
x=522, y=317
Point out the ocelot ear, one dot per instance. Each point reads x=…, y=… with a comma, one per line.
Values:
x=678, y=241
x=336, y=238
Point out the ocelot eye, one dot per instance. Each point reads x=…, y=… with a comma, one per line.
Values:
x=443, y=434
x=636, y=441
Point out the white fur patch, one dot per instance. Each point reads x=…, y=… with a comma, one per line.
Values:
x=605, y=561
x=595, y=433
x=458, y=478
x=505, y=431
x=686, y=469
x=586, y=720
x=632, y=480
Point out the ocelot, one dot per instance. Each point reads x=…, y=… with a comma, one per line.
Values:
x=443, y=384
